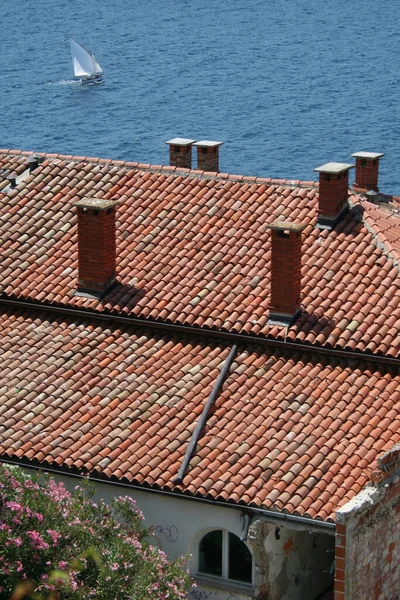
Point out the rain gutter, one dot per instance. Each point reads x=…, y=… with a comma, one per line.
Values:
x=204, y=415
x=252, y=511
x=201, y=332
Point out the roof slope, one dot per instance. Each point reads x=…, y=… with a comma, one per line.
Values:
x=299, y=423
x=195, y=250
x=289, y=431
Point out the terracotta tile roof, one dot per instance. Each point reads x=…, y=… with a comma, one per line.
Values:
x=295, y=430
x=282, y=435
x=196, y=251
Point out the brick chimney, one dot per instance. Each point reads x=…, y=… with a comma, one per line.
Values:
x=285, y=271
x=96, y=246
x=180, y=152
x=208, y=155
x=367, y=167
x=333, y=193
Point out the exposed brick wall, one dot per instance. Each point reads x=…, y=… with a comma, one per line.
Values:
x=333, y=193
x=96, y=244
x=285, y=272
x=368, y=539
x=208, y=158
x=367, y=173
x=180, y=156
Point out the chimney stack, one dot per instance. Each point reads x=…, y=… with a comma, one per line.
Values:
x=96, y=246
x=333, y=193
x=285, y=271
x=367, y=167
x=208, y=155
x=180, y=152
x=12, y=179
x=33, y=163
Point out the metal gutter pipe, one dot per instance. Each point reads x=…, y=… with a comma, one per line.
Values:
x=204, y=415
x=270, y=514
x=207, y=333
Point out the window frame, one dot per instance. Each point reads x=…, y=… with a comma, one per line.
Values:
x=222, y=580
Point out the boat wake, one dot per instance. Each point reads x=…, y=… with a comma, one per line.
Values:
x=63, y=82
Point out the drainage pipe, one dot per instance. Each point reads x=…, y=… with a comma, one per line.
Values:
x=204, y=415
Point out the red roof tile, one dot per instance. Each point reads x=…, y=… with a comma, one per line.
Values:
x=291, y=430
x=138, y=428
x=196, y=251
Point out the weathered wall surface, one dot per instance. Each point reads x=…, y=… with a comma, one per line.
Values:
x=294, y=562
x=368, y=538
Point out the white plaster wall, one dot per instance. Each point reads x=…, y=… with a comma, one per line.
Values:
x=290, y=561
x=178, y=525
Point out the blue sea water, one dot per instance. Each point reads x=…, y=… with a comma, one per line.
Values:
x=287, y=85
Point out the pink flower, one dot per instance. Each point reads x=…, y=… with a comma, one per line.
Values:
x=19, y=566
x=30, y=485
x=55, y=536
x=38, y=516
x=14, y=506
x=14, y=541
x=37, y=542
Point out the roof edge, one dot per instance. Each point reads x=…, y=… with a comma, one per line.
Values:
x=318, y=523
x=380, y=243
x=165, y=169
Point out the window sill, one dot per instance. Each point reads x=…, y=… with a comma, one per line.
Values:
x=230, y=585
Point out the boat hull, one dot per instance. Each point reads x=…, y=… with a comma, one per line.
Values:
x=94, y=79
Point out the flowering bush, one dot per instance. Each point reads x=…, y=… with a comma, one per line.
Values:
x=54, y=544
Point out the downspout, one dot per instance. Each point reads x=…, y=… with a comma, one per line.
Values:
x=204, y=415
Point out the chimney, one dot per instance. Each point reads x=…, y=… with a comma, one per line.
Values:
x=285, y=271
x=12, y=179
x=96, y=246
x=208, y=155
x=333, y=193
x=33, y=163
x=180, y=152
x=367, y=167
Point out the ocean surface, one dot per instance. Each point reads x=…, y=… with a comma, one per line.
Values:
x=287, y=85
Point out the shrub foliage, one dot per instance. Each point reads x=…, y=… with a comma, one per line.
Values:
x=58, y=545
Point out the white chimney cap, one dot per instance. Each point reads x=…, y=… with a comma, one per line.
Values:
x=207, y=143
x=334, y=168
x=180, y=142
x=371, y=155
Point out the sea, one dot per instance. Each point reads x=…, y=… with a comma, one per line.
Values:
x=286, y=85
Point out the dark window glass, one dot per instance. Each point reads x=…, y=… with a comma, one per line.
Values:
x=210, y=553
x=239, y=560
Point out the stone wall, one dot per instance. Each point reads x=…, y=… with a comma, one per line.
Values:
x=368, y=538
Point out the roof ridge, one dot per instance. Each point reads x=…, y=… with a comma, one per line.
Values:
x=377, y=236
x=194, y=173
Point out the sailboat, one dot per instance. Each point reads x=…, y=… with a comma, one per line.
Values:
x=85, y=65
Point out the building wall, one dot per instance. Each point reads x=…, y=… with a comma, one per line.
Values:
x=368, y=542
x=290, y=561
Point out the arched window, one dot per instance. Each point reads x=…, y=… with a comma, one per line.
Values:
x=222, y=554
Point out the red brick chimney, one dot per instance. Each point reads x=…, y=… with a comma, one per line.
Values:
x=180, y=152
x=96, y=246
x=285, y=271
x=333, y=192
x=208, y=155
x=367, y=167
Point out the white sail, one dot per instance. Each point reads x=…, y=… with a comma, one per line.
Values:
x=84, y=62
